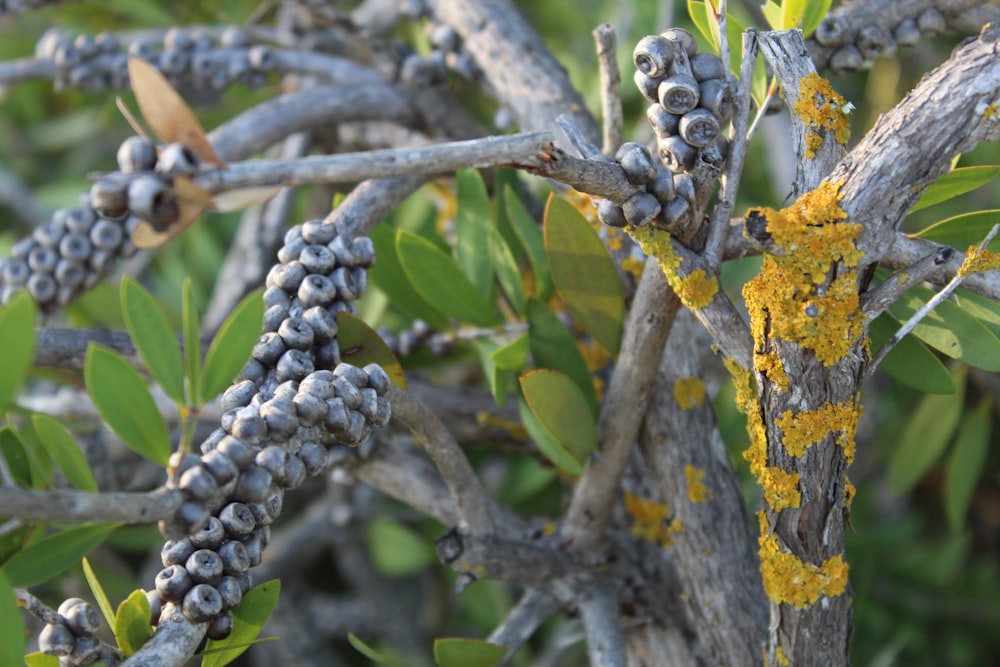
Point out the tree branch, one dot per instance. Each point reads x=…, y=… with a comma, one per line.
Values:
x=611, y=82
x=53, y=505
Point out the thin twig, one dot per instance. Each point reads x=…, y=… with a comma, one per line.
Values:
x=10, y=526
x=611, y=94
x=720, y=18
x=739, y=144
x=577, y=138
x=534, y=607
x=602, y=622
x=875, y=302
x=132, y=508
x=474, y=506
x=925, y=310
x=176, y=639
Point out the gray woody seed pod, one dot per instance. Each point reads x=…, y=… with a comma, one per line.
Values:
x=699, y=127
x=679, y=93
x=637, y=163
x=641, y=209
x=907, y=33
x=706, y=66
x=652, y=56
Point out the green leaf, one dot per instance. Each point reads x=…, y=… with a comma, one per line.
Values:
x=512, y=356
x=248, y=619
x=192, y=343
x=17, y=340
x=38, y=458
x=704, y=20
x=41, y=660
x=396, y=550
x=962, y=231
x=64, y=450
x=812, y=16
x=16, y=457
x=965, y=464
x=773, y=13
x=925, y=436
x=531, y=238
x=131, y=623
x=364, y=649
x=584, y=273
x=985, y=310
x=459, y=652
x=441, y=282
x=232, y=345
x=551, y=448
x=153, y=338
x=361, y=345
x=388, y=276
x=507, y=271
x=12, y=646
x=53, y=554
x=553, y=346
x=473, y=224
x=124, y=402
x=562, y=410
x=951, y=330
x=954, y=183
x=99, y=595
x=910, y=361
x=791, y=13
x=495, y=376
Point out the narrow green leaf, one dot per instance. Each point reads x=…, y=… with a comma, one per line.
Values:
x=124, y=402
x=553, y=346
x=459, y=652
x=531, y=238
x=503, y=179
x=704, y=20
x=954, y=183
x=773, y=13
x=584, y=273
x=441, y=282
x=248, y=619
x=99, y=595
x=951, y=330
x=551, y=448
x=17, y=340
x=12, y=622
x=54, y=554
x=562, y=410
x=495, y=376
x=153, y=338
x=232, y=345
x=361, y=345
x=812, y=16
x=962, y=231
x=16, y=457
x=39, y=460
x=965, y=464
x=131, y=623
x=925, y=437
x=514, y=355
x=364, y=649
x=791, y=13
x=192, y=343
x=473, y=224
x=64, y=450
x=40, y=660
x=910, y=361
x=985, y=310
x=388, y=276
x=398, y=551
x=507, y=271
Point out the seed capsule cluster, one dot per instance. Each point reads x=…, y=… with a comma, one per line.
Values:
x=419, y=336
x=418, y=70
x=72, y=639
x=834, y=45
x=193, y=58
x=692, y=101
x=65, y=256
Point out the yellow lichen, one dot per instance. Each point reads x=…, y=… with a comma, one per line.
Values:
x=549, y=528
x=697, y=491
x=979, y=261
x=770, y=365
x=689, y=392
x=651, y=519
x=697, y=289
x=632, y=265
x=823, y=110
x=789, y=579
x=849, y=492
x=779, y=655
x=803, y=429
x=781, y=489
x=792, y=297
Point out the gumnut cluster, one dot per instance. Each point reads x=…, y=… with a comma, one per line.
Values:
x=418, y=336
x=447, y=55
x=691, y=103
x=836, y=45
x=72, y=638
x=189, y=58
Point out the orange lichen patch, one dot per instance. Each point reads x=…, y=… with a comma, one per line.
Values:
x=689, y=392
x=549, y=528
x=697, y=289
x=823, y=110
x=486, y=419
x=781, y=489
x=792, y=297
x=779, y=655
x=656, y=243
x=789, y=579
x=614, y=237
x=584, y=203
x=697, y=491
x=770, y=365
x=849, y=492
x=803, y=429
x=746, y=388
x=651, y=519
x=633, y=266
x=979, y=261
